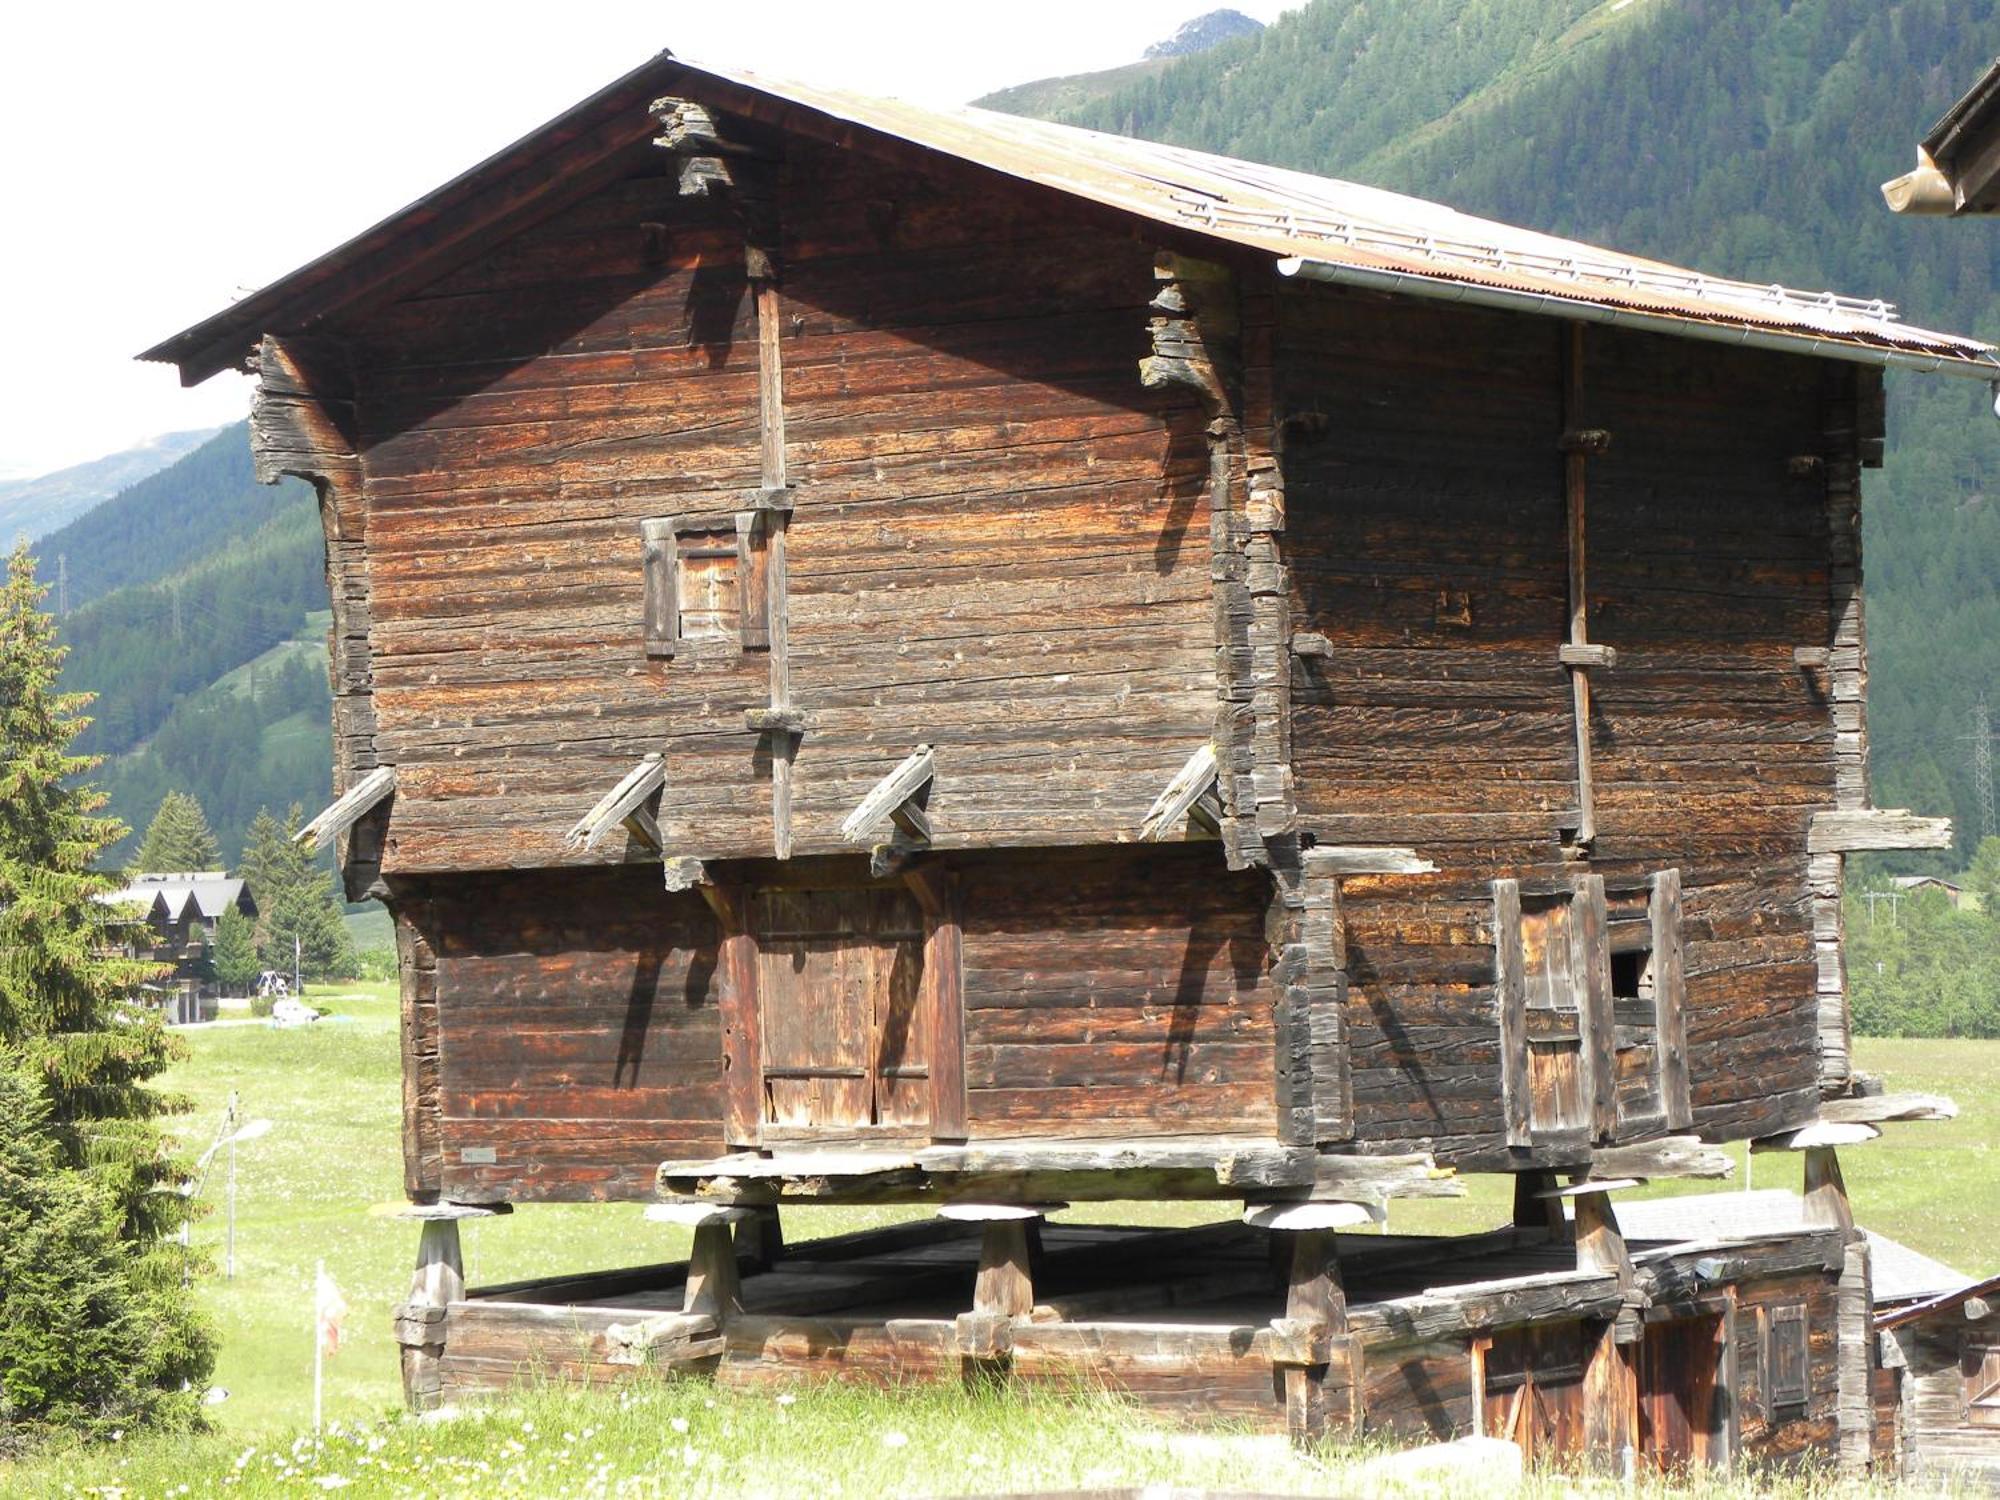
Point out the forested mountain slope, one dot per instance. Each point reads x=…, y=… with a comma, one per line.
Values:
x=1746, y=137
x=169, y=520
x=35, y=506
x=203, y=639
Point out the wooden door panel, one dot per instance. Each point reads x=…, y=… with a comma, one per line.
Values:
x=1679, y=1365
x=843, y=1044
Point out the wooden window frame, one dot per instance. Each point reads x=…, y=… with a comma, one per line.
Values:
x=663, y=552
x=1591, y=943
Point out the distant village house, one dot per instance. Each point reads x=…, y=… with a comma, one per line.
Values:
x=181, y=909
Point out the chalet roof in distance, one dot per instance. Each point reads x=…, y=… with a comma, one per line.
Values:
x=210, y=891
x=1317, y=227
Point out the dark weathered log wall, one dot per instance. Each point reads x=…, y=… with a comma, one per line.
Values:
x=577, y=1040
x=1125, y=993
x=1426, y=539
x=562, y=1034
x=1000, y=545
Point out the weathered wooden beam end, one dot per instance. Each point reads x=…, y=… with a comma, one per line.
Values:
x=1195, y=780
x=908, y=783
x=347, y=809
x=623, y=806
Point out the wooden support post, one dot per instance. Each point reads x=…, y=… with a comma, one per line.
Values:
x=420, y=1322
x=1006, y=1280
x=776, y=520
x=1535, y=1207
x=1854, y=1343
x=1600, y=1243
x=1575, y=464
x=736, y=963
x=760, y=1238
x=712, y=1288
x=1826, y=1192
x=1311, y=1343
x=1611, y=1402
x=942, y=996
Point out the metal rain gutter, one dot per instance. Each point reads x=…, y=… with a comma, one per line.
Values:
x=1408, y=283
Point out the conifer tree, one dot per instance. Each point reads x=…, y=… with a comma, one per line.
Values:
x=235, y=955
x=178, y=838
x=265, y=857
x=295, y=899
x=69, y=1015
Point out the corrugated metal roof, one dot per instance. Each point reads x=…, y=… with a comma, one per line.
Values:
x=1322, y=219
x=1900, y=1273
x=1304, y=222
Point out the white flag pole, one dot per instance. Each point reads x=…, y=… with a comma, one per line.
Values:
x=319, y=1276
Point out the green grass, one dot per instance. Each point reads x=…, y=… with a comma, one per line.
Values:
x=327, y=1180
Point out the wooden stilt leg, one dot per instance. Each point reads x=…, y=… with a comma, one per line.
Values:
x=711, y=1277
x=1311, y=1343
x=760, y=1239
x=1533, y=1210
x=1826, y=1192
x=438, y=1282
x=1006, y=1283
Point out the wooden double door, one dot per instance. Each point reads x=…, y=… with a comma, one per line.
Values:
x=845, y=1043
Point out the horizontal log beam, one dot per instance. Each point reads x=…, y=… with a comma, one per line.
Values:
x=1336, y=859
x=1669, y=1156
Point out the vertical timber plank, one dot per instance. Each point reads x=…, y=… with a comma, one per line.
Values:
x=1590, y=971
x=943, y=995
x=1575, y=465
x=1670, y=999
x=736, y=965
x=1510, y=975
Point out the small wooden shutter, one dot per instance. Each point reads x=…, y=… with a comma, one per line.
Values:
x=1785, y=1365
x=1982, y=1386
x=707, y=580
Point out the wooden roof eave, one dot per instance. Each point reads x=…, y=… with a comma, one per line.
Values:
x=553, y=165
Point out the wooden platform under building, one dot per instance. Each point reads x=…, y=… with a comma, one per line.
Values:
x=1500, y=1333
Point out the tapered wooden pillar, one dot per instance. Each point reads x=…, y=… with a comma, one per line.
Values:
x=423, y=1318
x=1310, y=1345
x=1534, y=1208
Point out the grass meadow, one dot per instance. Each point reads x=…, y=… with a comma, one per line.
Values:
x=325, y=1183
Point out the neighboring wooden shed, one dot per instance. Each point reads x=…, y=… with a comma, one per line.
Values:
x=887, y=656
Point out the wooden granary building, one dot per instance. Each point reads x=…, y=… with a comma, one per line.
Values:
x=887, y=656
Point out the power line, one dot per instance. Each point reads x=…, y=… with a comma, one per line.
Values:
x=1982, y=763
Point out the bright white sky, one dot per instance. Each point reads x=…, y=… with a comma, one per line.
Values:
x=160, y=160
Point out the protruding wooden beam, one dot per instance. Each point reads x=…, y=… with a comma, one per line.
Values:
x=886, y=799
x=1587, y=656
x=684, y=874
x=1191, y=783
x=1360, y=859
x=1849, y=831
x=624, y=804
x=1377, y=1179
x=347, y=809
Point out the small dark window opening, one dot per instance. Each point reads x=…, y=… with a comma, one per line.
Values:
x=1632, y=975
